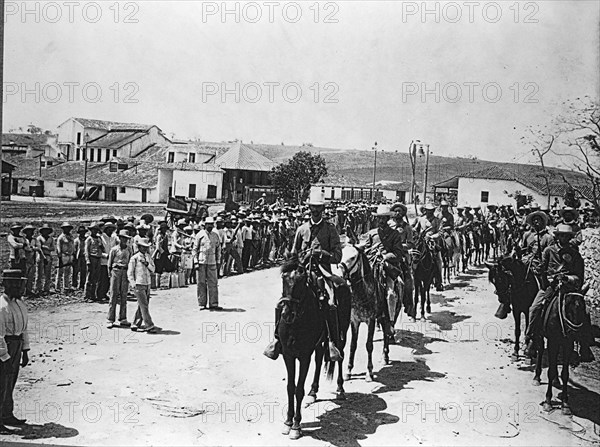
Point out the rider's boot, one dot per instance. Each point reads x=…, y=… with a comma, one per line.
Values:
x=273, y=349
x=333, y=334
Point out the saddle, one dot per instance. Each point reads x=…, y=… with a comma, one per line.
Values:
x=558, y=298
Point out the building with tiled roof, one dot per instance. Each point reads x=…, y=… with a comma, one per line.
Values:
x=30, y=145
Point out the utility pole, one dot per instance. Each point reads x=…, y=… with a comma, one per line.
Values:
x=374, y=173
x=85, y=167
x=1, y=92
x=425, y=175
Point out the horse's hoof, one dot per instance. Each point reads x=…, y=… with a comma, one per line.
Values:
x=536, y=381
x=286, y=429
x=309, y=400
x=547, y=406
x=423, y=318
x=369, y=377
x=295, y=433
x=514, y=356
x=347, y=377
x=566, y=410
x=340, y=395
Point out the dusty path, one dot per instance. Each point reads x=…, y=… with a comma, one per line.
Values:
x=204, y=380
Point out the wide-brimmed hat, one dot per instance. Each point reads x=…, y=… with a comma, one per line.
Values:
x=209, y=220
x=12, y=275
x=444, y=203
x=66, y=225
x=571, y=210
x=82, y=229
x=110, y=224
x=112, y=219
x=181, y=222
x=16, y=226
x=143, y=242
x=540, y=214
x=564, y=229
x=94, y=226
x=148, y=218
x=29, y=227
x=492, y=205
x=383, y=210
x=429, y=206
x=45, y=227
x=534, y=206
x=399, y=208
x=124, y=233
x=316, y=198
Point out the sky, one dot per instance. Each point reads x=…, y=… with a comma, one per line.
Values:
x=467, y=78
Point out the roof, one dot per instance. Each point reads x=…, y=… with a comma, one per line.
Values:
x=111, y=125
x=530, y=176
x=240, y=156
x=117, y=139
x=158, y=152
x=24, y=139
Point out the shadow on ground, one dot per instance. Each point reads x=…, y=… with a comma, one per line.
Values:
x=358, y=416
x=446, y=319
x=396, y=376
x=45, y=431
x=414, y=340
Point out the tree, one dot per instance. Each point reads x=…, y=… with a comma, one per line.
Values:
x=570, y=198
x=33, y=129
x=540, y=141
x=581, y=125
x=520, y=198
x=293, y=178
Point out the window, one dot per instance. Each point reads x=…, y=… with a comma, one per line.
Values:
x=78, y=137
x=42, y=164
x=192, y=157
x=485, y=196
x=122, y=190
x=59, y=184
x=115, y=153
x=332, y=193
x=171, y=157
x=122, y=166
x=212, y=192
x=78, y=154
x=113, y=166
x=91, y=154
x=192, y=191
x=49, y=163
x=107, y=154
x=83, y=154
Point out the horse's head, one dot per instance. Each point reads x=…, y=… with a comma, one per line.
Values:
x=351, y=258
x=295, y=281
x=501, y=277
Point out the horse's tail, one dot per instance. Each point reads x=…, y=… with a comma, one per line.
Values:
x=329, y=370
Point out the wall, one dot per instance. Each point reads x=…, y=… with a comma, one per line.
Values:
x=135, y=147
x=182, y=180
x=469, y=191
x=165, y=181
x=68, y=190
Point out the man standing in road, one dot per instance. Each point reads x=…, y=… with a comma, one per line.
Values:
x=16, y=245
x=141, y=267
x=108, y=241
x=65, y=250
x=14, y=345
x=44, y=267
x=93, y=255
x=118, y=262
x=207, y=254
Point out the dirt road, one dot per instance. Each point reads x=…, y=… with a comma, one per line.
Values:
x=204, y=380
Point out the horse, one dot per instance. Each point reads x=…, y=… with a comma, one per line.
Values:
x=424, y=273
x=451, y=256
x=369, y=306
x=490, y=240
x=514, y=284
x=302, y=330
x=563, y=319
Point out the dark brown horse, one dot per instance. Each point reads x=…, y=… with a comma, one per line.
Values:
x=563, y=320
x=514, y=285
x=425, y=268
x=302, y=330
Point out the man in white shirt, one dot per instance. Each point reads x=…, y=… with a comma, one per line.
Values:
x=141, y=266
x=207, y=254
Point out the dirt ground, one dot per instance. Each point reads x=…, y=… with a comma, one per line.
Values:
x=204, y=381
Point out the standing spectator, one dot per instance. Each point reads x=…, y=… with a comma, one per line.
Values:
x=44, y=265
x=93, y=255
x=247, y=233
x=207, y=253
x=32, y=250
x=222, y=233
x=65, y=251
x=16, y=244
x=14, y=345
x=79, y=265
x=161, y=252
x=109, y=240
x=141, y=266
x=187, y=261
x=118, y=263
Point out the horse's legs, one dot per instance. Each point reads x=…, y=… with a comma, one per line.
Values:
x=340, y=392
x=370, y=335
x=314, y=389
x=517, y=318
x=564, y=375
x=354, y=327
x=290, y=366
x=295, y=432
x=423, y=294
x=553, y=346
x=537, y=378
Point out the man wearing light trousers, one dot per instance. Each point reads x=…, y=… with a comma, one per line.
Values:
x=207, y=254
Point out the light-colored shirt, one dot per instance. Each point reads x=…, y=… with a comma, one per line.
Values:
x=207, y=248
x=93, y=248
x=15, y=244
x=119, y=257
x=108, y=242
x=13, y=321
x=139, y=273
x=247, y=233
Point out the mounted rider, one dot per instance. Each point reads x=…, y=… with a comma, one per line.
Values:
x=399, y=222
x=431, y=226
x=561, y=263
x=318, y=240
x=388, y=241
x=448, y=222
x=570, y=216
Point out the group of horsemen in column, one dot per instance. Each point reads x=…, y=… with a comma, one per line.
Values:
x=398, y=245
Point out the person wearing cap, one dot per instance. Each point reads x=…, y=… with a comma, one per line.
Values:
x=32, y=250
x=207, y=254
x=400, y=223
x=561, y=265
x=161, y=251
x=118, y=263
x=535, y=240
x=321, y=241
x=44, y=264
x=94, y=248
x=16, y=244
x=386, y=240
x=430, y=225
x=65, y=251
x=140, y=268
x=14, y=344
x=187, y=260
x=446, y=216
